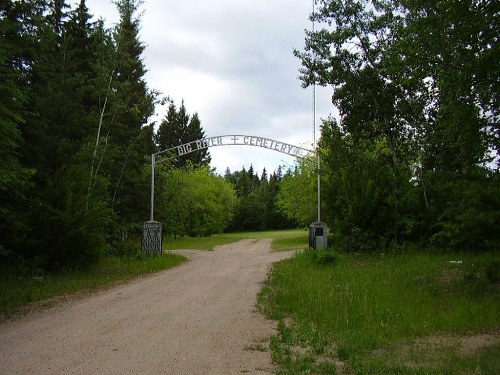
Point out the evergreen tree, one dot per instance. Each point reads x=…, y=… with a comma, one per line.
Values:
x=82, y=43
x=134, y=100
x=74, y=97
x=46, y=131
x=178, y=128
x=132, y=104
x=195, y=132
x=167, y=136
x=65, y=223
x=263, y=176
x=15, y=52
x=276, y=218
x=256, y=208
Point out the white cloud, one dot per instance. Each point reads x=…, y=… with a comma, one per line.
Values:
x=232, y=62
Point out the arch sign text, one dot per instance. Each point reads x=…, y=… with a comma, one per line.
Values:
x=236, y=140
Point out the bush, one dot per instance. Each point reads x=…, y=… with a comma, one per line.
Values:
x=470, y=217
x=322, y=257
x=354, y=241
x=493, y=272
x=125, y=249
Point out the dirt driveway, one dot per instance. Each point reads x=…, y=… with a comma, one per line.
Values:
x=198, y=318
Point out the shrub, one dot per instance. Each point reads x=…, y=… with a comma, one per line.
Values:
x=322, y=257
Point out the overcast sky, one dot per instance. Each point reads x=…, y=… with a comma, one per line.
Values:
x=232, y=62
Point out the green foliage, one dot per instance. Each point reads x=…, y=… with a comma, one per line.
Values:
x=126, y=249
x=178, y=128
x=194, y=202
x=257, y=207
x=73, y=134
x=298, y=193
x=361, y=194
x=20, y=288
x=367, y=313
x=62, y=230
x=469, y=214
x=415, y=84
x=15, y=179
x=130, y=141
x=77, y=228
x=251, y=213
x=457, y=67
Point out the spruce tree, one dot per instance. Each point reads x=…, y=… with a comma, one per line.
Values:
x=132, y=106
x=178, y=128
x=43, y=62
x=16, y=47
x=195, y=132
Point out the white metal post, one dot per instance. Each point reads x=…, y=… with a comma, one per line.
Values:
x=319, y=190
x=152, y=185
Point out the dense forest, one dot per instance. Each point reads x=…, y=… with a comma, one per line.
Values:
x=77, y=134
x=411, y=159
x=75, y=113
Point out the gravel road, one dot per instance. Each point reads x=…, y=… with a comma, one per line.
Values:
x=198, y=318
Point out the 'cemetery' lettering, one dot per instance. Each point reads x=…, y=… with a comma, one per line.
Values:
x=241, y=140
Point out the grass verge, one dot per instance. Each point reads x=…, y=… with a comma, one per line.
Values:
x=290, y=239
x=385, y=314
x=17, y=291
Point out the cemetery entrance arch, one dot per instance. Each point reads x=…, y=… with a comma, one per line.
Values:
x=152, y=229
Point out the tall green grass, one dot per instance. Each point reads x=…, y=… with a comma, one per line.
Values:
x=17, y=290
x=344, y=308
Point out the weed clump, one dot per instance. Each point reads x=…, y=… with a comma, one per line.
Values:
x=322, y=257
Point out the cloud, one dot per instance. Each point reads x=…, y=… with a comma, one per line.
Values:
x=232, y=62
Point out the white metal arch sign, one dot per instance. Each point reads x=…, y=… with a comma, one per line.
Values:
x=233, y=140
x=152, y=230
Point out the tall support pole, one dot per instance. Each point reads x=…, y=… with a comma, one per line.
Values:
x=151, y=230
x=313, y=91
x=152, y=186
x=319, y=190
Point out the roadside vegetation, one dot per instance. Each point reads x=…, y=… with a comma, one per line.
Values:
x=408, y=313
x=288, y=239
x=28, y=285
x=410, y=189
